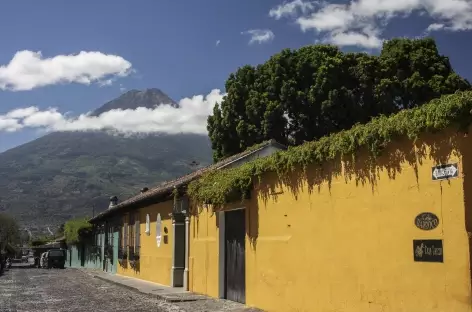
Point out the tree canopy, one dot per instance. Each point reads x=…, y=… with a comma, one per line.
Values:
x=73, y=228
x=220, y=186
x=41, y=240
x=305, y=94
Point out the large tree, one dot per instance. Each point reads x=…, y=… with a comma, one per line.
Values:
x=301, y=95
x=9, y=230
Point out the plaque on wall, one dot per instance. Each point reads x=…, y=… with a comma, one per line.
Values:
x=443, y=172
x=426, y=221
x=428, y=250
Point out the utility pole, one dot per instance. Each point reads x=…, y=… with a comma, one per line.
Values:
x=93, y=211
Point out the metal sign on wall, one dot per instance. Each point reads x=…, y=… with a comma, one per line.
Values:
x=428, y=250
x=444, y=172
x=426, y=221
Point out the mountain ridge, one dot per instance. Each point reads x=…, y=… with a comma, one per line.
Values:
x=68, y=174
x=132, y=99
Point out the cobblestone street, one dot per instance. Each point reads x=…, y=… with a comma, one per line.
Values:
x=42, y=290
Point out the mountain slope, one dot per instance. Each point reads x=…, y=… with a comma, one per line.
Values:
x=133, y=99
x=66, y=174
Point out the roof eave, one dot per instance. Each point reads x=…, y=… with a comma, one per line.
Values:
x=153, y=199
x=140, y=202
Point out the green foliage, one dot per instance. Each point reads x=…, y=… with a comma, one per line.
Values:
x=220, y=187
x=9, y=230
x=41, y=240
x=73, y=229
x=323, y=90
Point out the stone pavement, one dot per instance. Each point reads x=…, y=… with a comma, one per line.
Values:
x=42, y=290
x=179, y=298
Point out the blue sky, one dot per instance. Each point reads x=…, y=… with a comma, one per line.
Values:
x=171, y=45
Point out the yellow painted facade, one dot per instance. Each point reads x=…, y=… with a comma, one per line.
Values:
x=203, y=253
x=345, y=243
x=155, y=262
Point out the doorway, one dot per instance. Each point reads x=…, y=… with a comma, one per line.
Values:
x=178, y=245
x=235, y=255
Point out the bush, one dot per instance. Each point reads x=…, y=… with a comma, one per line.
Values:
x=75, y=228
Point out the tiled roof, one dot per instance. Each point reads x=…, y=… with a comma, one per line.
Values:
x=167, y=187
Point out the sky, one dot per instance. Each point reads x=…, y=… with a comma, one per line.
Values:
x=60, y=59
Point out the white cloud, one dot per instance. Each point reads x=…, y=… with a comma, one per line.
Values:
x=288, y=9
x=259, y=35
x=218, y=42
x=368, y=40
x=361, y=22
x=9, y=124
x=21, y=112
x=434, y=27
x=28, y=70
x=191, y=117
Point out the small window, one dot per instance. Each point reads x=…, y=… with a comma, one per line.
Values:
x=131, y=231
x=158, y=230
x=137, y=229
x=125, y=232
x=148, y=225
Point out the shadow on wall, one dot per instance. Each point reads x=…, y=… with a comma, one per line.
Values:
x=135, y=266
x=92, y=253
x=363, y=169
x=466, y=151
x=123, y=263
x=252, y=215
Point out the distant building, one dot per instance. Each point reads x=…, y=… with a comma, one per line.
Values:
x=123, y=242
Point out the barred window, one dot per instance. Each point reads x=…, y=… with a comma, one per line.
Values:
x=137, y=229
x=125, y=232
x=131, y=231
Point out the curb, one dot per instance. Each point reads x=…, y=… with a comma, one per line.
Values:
x=114, y=283
x=122, y=285
x=158, y=296
x=170, y=301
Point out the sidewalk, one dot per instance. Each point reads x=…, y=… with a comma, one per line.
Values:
x=177, y=297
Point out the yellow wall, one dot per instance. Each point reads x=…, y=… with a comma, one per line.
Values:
x=155, y=262
x=347, y=245
x=203, y=253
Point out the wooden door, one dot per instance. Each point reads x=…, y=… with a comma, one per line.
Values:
x=235, y=255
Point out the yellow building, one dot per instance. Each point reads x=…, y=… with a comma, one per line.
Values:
x=154, y=225
x=138, y=236
x=389, y=234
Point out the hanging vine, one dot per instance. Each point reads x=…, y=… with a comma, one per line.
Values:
x=220, y=187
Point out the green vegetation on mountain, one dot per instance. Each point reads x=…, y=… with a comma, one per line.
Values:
x=305, y=94
x=219, y=187
x=64, y=175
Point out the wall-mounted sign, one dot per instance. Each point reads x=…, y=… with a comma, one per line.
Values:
x=158, y=230
x=428, y=250
x=426, y=221
x=443, y=172
x=148, y=225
